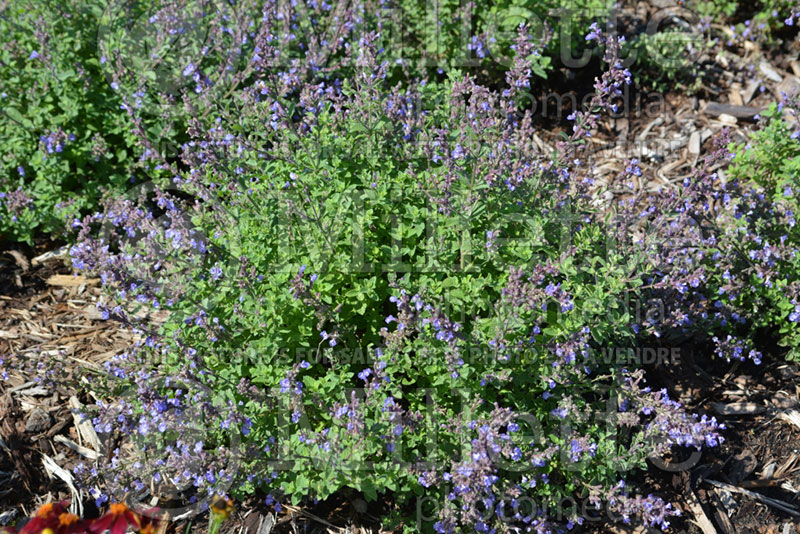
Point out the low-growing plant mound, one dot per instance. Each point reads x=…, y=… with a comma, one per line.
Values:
x=389, y=289
x=358, y=277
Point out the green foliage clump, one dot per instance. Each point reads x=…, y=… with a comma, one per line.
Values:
x=770, y=161
x=335, y=234
x=667, y=57
x=85, y=82
x=388, y=290
x=62, y=136
x=448, y=34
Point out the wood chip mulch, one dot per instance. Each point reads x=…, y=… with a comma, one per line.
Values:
x=47, y=315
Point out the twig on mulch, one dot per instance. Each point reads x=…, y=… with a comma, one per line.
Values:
x=780, y=505
x=53, y=469
x=700, y=517
x=299, y=511
x=720, y=514
x=59, y=254
x=19, y=259
x=68, y=280
x=260, y=524
x=737, y=408
x=83, y=451
x=792, y=417
x=715, y=109
x=83, y=425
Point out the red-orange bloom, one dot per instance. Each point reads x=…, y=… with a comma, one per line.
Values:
x=117, y=519
x=69, y=524
x=148, y=523
x=53, y=518
x=46, y=519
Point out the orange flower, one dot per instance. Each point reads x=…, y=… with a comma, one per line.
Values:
x=47, y=519
x=117, y=520
x=68, y=524
x=51, y=509
x=53, y=518
x=148, y=522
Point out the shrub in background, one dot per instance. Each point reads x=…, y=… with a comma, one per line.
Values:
x=770, y=164
x=93, y=89
x=668, y=57
x=89, y=98
x=61, y=137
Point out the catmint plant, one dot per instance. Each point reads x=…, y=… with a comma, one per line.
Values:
x=376, y=285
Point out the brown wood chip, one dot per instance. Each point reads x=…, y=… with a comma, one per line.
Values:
x=723, y=521
x=20, y=259
x=66, y=280
x=742, y=466
x=715, y=109
x=738, y=408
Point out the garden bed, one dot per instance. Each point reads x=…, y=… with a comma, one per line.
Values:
x=761, y=452
x=333, y=293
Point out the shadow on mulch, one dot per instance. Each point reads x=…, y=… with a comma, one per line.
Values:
x=18, y=278
x=760, y=453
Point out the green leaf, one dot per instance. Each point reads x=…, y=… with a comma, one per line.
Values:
x=16, y=116
x=65, y=74
x=369, y=490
